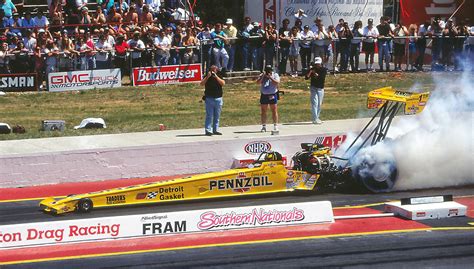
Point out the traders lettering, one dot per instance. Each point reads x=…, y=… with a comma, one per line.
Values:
x=117, y=199
x=224, y=184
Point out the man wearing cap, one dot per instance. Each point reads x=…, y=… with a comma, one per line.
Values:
x=231, y=32
x=317, y=74
x=307, y=37
x=220, y=54
x=268, y=81
x=370, y=34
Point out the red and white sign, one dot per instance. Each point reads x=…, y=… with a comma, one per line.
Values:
x=30, y=234
x=331, y=141
x=143, y=76
x=84, y=80
x=419, y=11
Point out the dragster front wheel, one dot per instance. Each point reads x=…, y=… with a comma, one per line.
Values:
x=85, y=205
x=376, y=177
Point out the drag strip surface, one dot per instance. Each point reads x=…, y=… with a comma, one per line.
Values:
x=29, y=211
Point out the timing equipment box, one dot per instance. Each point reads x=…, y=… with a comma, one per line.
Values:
x=53, y=125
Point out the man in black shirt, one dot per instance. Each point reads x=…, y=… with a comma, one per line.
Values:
x=213, y=99
x=385, y=35
x=285, y=42
x=317, y=74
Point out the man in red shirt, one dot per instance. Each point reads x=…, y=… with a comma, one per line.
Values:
x=120, y=53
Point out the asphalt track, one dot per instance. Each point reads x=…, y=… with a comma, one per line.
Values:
x=449, y=245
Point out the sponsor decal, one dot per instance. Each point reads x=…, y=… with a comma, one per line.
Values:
x=331, y=141
x=211, y=219
x=453, y=212
x=18, y=82
x=239, y=184
x=290, y=180
x=164, y=227
x=269, y=11
x=84, y=80
x=141, y=196
x=58, y=235
x=310, y=180
x=116, y=199
x=167, y=74
x=422, y=103
x=241, y=174
x=257, y=147
x=403, y=94
x=167, y=193
x=420, y=214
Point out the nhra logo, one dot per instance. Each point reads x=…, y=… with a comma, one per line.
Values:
x=257, y=147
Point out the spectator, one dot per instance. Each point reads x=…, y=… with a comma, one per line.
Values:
x=319, y=44
x=40, y=20
x=90, y=55
x=246, y=46
x=231, y=32
x=221, y=57
x=269, y=81
x=284, y=37
x=29, y=41
x=299, y=25
x=99, y=17
x=146, y=18
x=412, y=32
x=400, y=33
x=270, y=40
x=73, y=20
x=137, y=47
x=8, y=7
x=256, y=46
x=175, y=52
x=86, y=19
x=28, y=22
x=317, y=74
x=299, y=15
x=368, y=46
x=5, y=22
x=213, y=99
x=130, y=19
x=162, y=45
x=4, y=59
x=294, y=51
x=305, y=48
x=16, y=25
x=103, y=52
x=115, y=21
x=67, y=47
x=436, y=31
x=85, y=53
x=189, y=40
x=357, y=34
x=121, y=48
x=449, y=33
x=51, y=52
x=462, y=30
x=21, y=62
x=345, y=37
x=148, y=40
x=421, y=45
x=337, y=50
x=385, y=34
x=205, y=41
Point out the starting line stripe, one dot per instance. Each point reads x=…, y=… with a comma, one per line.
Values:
x=237, y=244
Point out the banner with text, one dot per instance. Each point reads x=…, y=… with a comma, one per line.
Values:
x=84, y=80
x=30, y=234
x=419, y=11
x=167, y=74
x=18, y=82
x=330, y=11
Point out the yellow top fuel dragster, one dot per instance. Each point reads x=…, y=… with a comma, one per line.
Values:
x=313, y=168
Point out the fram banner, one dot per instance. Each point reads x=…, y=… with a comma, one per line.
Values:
x=20, y=235
x=84, y=80
x=18, y=82
x=167, y=74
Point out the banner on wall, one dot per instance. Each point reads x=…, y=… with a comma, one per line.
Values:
x=420, y=11
x=84, y=80
x=167, y=74
x=18, y=82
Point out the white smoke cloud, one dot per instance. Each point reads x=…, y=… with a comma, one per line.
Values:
x=435, y=147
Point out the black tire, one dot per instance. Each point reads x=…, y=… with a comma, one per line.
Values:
x=381, y=179
x=85, y=205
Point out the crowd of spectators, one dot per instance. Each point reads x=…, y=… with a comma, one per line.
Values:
x=127, y=34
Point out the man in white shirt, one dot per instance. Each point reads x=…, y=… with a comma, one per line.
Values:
x=162, y=45
x=137, y=46
x=102, y=57
x=307, y=37
x=370, y=34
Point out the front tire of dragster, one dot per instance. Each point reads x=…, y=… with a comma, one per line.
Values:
x=377, y=182
x=85, y=205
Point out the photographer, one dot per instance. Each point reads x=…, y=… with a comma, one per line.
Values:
x=317, y=74
x=269, y=81
x=213, y=100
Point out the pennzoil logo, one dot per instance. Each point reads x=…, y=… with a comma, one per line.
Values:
x=257, y=147
x=239, y=184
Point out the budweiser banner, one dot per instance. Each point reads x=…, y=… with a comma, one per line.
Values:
x=143, y=76
x=205, y=220
x=18, y=82
x=84, y=80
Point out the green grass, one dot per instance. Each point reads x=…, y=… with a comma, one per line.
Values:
x=131, y=109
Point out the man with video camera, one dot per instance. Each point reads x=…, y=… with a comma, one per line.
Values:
x=269, y=81
x=213, y=100
x=317, y=74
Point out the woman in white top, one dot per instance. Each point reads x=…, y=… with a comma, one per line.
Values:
x=103, y=53
x=400, y=33
x=294, y=51
x=412, y=32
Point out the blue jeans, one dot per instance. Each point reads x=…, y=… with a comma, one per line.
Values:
x=231, y=51
x=246, y=54
x=161, y=59
x=384, y=52
x=213, y=113
x=317, y=95
x=284, y=52
x=257, y=58
x=269, y=55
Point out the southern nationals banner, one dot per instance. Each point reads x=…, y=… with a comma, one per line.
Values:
x=84, y=80
x=167, y=74
x=205, y=220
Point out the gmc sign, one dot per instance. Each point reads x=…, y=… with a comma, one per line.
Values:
x=84, y=80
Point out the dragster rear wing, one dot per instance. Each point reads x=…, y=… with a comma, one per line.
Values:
x=414, y=102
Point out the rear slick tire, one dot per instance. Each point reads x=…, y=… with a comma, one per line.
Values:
x=381, y=179
x=85, y=205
